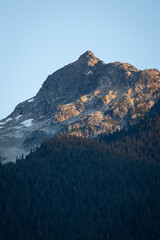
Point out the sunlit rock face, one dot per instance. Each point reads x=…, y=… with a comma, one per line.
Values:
x=84, y=98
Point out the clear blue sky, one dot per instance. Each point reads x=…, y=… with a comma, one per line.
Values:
x=38, y=37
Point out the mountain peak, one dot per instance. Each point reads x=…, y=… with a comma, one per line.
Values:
x=88, y=58
x=84, y=98
x=88, y=54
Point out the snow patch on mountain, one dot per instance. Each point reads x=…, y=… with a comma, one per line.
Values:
x=31, y=100
x=19, y=116
x=18, y=127
x=90, y=72
x=7, y=120
x=28, y=122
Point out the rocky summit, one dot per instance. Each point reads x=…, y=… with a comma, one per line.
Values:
x=84, y=98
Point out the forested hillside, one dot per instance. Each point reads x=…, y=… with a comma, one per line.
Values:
x=141, y=141
x=74, y=188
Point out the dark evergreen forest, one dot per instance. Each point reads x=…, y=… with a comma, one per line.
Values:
x=85, y=189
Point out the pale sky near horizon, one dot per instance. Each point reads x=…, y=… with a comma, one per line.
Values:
x=38, y=37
